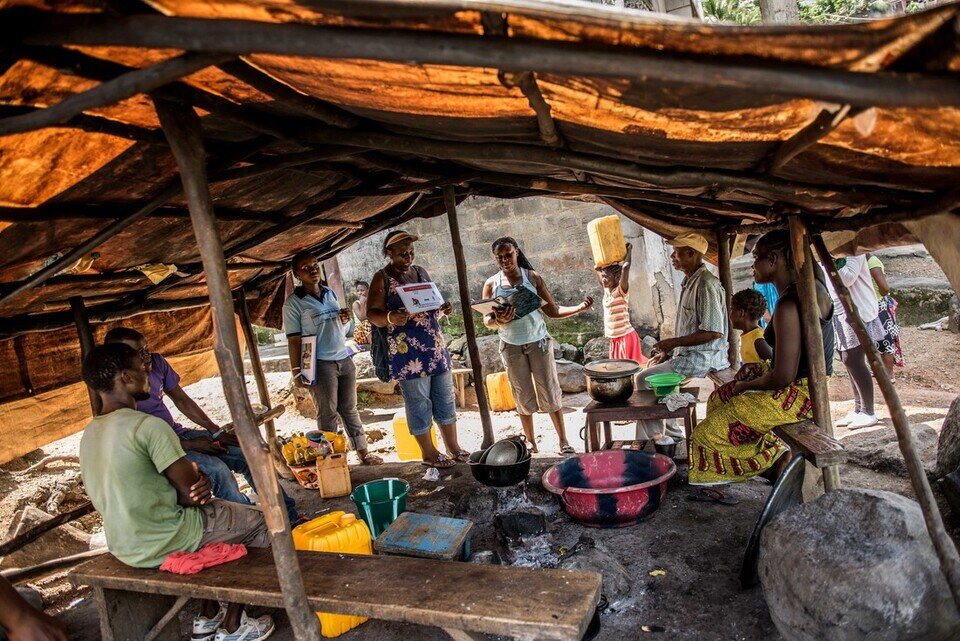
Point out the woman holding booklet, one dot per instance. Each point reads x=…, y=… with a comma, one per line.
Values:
x=526, y=347
x=417, y=353
x=313, y=312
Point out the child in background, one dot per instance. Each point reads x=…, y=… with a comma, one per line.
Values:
x=747, y=307
x=624, y=340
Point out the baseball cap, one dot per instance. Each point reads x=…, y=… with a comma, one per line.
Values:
x=399, y=237
x=692, y=240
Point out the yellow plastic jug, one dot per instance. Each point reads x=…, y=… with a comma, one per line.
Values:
x=407, y=447
x=335, y=532
x=338, y=440
x=499, y=392
x=606, y=240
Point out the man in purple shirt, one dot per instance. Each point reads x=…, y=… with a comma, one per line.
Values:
x=216, y=453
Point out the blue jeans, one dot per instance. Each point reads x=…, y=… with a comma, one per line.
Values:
x=220, y=468
x=428, y=399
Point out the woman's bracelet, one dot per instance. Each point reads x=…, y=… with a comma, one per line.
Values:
x=297, y=369
x=388, y=319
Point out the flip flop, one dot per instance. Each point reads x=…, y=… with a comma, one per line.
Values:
x=462, y=456
x=567, y=449
x=712, y=495
x=441, y=463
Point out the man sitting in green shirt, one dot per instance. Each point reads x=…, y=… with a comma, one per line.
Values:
x=154, y=501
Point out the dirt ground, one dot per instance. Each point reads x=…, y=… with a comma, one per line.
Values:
x=699, y=546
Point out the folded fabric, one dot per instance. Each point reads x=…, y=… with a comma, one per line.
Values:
x=678, y=400
x=206, y=557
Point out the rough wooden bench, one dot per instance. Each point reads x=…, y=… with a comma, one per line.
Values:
x=806, y=438
x=465, y=599
x=722, y=377
x=459, y=381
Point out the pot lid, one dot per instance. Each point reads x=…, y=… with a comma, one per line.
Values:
x=611, y=368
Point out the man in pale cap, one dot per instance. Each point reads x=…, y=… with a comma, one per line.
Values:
x=700, y=334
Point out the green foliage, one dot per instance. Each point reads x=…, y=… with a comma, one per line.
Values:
x=747, y=12
x=364, y=399
x=573, y=331
x=742, y=12
x=264, y=335
x=453, y=325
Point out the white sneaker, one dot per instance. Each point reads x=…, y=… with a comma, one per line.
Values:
x=248, y=630
x=863, y=420
x=205, y=629
x=846, y=420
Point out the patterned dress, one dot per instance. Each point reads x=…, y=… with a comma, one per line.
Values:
x=416, y=349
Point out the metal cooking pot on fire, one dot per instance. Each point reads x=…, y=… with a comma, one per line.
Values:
x=611, y=380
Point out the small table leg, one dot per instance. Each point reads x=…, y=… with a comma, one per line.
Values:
x=592, y=440
x=607, y=433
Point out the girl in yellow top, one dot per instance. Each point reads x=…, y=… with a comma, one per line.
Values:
x=747, y=308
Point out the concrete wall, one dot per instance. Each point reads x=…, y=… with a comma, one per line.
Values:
x=553, y=235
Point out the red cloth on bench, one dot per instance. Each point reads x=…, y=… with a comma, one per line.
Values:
x=206, y=557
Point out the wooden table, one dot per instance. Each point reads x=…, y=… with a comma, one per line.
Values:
x=642, y=405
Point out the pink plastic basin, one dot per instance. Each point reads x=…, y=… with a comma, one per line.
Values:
x=613, y=488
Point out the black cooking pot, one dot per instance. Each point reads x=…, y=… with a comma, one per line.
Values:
x=499, y=475
x=610, y=380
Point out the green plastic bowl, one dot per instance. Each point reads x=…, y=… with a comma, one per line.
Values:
x=381, y=502
x=665, y=384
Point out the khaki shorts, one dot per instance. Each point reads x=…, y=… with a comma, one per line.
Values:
x=533, y=376
x=227, y=522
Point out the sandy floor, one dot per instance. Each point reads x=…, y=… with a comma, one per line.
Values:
x=699, y=546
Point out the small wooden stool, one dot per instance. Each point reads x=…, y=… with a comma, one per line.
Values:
x=642, y=405
x=426, y=536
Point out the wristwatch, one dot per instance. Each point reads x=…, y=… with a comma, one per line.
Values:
x=217, y=434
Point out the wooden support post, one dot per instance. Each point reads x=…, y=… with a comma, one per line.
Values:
x=942, y=543
x=87, y=343
x=181, y=125
x=804, y=264
x=450, y=202
x=262, y=392
x=726, y=279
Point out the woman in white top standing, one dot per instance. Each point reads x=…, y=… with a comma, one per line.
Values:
x=855, y=274
x=526, y=347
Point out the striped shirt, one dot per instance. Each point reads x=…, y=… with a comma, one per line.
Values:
x=616, y=313
x=702, y=307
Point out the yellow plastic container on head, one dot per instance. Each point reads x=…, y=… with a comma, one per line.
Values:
x=606, y=240
x=407, y=447
x=335, y=532
x=499, y=392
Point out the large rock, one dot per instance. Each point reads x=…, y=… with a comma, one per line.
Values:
x=879, y=449
x=855, y=565
x=948, y=447
x=590, y=554
x=571, y=377
x=55, y=544
x=364, y=364
x=489, y=347
x=458, y=345
x=596, y=349
x=569, y=352
x=303, y=401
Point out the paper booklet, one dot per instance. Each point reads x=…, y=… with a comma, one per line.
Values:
x=523, y=300
x=420, y=297
x=308, y=359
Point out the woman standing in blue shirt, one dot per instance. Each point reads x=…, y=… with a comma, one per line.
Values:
x=314, y=310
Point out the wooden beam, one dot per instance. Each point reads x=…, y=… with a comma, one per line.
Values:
x=182, y=128
x=450, y=203
x=726, y=279
x=165, y=620
x=22, y=575
x=34, y=533
x=263, y=392
x=113, y=91
x=49, y=213
x=92, y=123
x=287, y=95
x=666, y=178
x=87, y=343
x=556, y=186
x=825, y=122
x=817, y=381
x=886, y=89
x=942, y=543
x=527, y=83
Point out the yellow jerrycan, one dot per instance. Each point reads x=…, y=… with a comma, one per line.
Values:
x=606, y=240
x=407, y=447
x=499, y=392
